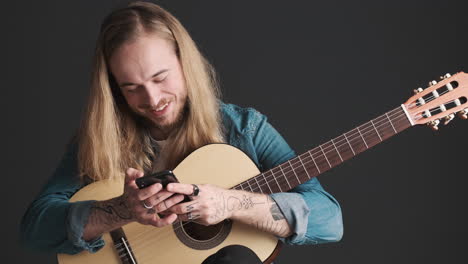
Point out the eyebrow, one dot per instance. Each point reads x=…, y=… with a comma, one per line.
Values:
x=154, y=75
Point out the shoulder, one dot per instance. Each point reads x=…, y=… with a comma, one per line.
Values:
x=241, y=119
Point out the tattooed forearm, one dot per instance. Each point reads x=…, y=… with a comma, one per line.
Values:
x=114, y=210
x=258, y=210
x=246, y=202
x=105, y=216
x=277, y=228
x=275, y=211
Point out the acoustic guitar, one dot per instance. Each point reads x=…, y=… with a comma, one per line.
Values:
x=187, y=242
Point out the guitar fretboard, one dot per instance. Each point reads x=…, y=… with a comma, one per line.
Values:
x=328, y=155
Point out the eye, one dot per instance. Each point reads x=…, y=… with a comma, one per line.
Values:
x=131, y=89
x=160, y=79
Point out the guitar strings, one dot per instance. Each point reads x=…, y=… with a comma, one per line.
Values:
x=291, y=164
x=311, y=154
x=136, y=245
x=272, y=176
x=364, y=132
x=331, y=148
x=290, y=170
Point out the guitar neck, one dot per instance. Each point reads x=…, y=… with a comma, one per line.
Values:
x=328, y=155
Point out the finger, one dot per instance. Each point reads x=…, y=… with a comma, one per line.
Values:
x=167, y=220
x=131, y=175
x=191, y=216
x=149, y=191
x=158, y=197
x=181, y=188
x=184, y=207
x=166, y=204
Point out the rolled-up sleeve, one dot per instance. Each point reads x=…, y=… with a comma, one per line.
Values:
x=52, y=223
x=313, y=214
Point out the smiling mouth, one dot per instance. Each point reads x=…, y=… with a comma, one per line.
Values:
x=162, y=107
x=161, y=110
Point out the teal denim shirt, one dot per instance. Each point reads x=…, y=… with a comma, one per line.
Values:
x=54, y=224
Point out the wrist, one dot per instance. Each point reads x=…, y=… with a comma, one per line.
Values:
x=240, y=204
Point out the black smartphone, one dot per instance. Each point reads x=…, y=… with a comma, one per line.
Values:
x=163, y=177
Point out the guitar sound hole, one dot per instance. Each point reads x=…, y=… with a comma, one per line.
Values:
x=200, y=232
x=202, y=237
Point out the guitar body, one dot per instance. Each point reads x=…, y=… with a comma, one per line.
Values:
x=217, y=164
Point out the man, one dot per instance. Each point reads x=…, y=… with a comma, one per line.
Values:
x=153, y=101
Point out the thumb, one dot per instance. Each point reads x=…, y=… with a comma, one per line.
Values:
x=131, y=175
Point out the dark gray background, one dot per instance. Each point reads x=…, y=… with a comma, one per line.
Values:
x=316, y=68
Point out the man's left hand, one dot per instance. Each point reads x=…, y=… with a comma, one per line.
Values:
x=209, y=207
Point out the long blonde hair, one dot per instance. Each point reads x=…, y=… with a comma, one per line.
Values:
x=111, y=137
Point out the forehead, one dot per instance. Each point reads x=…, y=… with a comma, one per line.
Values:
x=138, y=60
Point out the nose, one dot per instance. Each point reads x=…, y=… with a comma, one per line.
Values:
x=151, y=95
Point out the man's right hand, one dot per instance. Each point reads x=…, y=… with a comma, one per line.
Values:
x=113, y=213
x=144, y=204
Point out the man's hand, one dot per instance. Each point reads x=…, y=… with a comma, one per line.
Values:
x=207, y=208
x=138, y=200
x=214, y=204
x=113, y=213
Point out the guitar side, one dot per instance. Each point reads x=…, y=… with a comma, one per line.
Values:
x=217, y=164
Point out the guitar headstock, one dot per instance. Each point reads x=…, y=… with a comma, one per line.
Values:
x=440, y=101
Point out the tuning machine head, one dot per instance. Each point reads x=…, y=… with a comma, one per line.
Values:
x=448, y=118
x=416, y=91
x=463, y=114
x=446, y=76
x=434, y=124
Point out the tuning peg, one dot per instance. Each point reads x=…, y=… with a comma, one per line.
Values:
x=416, y=91
x=446, y=76
x=434, y=124
x=433, y=82
x=448, y=118
x=463, y=114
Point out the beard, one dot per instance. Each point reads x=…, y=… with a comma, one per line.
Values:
x=165, y=130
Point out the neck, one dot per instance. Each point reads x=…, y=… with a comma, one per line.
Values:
x=328, y=155
x=159, y=134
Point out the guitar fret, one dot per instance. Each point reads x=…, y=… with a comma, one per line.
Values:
x=248, y=183
x=261, y=190
x=343, y=148
x=274, y=177
x=267, y=183
x=284, y=175
x=354, y=153
x=128, y=250
x=376, y=130
x=386, y=114
x=346, y=146
x=362, y=137
x=325, y=156
x=336, y=150
x=294, y=171
x=312, y=157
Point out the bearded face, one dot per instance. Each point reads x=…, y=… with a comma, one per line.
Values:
x=150, y=78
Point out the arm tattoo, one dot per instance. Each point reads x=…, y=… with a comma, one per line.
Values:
x=235, y=203
x=275, y=211
x=272, y=227
x=116, y=209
